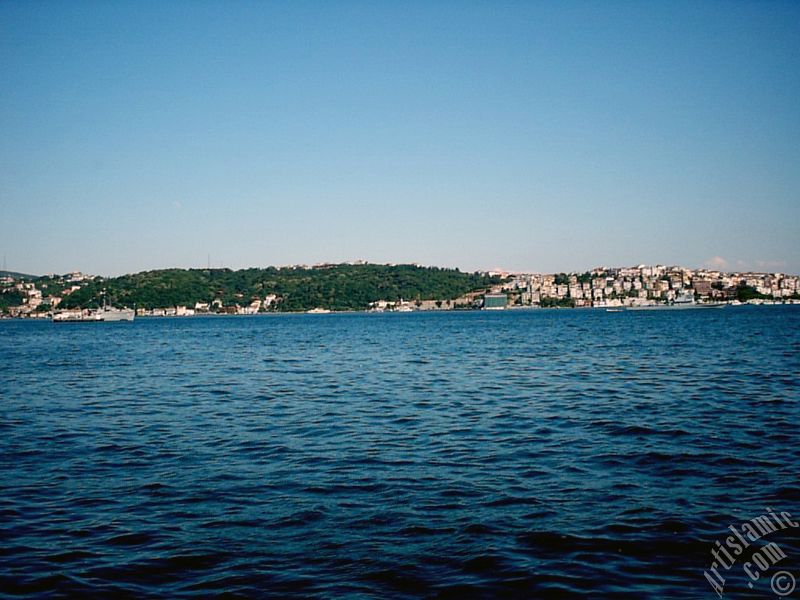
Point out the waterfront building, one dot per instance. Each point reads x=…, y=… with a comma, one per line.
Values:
x=495, y=301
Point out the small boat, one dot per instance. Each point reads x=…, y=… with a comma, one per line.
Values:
x=615, y=310
x=70, y=316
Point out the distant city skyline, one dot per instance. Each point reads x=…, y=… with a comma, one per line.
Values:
x=530, y=137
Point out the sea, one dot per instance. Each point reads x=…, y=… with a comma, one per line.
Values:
x=507, y=454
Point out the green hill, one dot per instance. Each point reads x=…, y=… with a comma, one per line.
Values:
x=335, y=287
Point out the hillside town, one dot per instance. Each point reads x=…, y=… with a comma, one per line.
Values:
x=647, y=285
x=642, y=285
x=37, y=297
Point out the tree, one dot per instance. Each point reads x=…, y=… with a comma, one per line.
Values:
x=745, y=292
x=12, y=297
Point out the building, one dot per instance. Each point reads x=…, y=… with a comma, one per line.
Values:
x=495, y=301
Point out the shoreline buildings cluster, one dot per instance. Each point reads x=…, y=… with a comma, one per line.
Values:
x=23, y=296
x=647, y=285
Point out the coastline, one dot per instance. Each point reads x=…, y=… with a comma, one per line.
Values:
x=641, y=309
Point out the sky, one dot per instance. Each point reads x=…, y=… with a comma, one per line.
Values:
x=529, y=136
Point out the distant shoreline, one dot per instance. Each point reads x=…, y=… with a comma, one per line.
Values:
x=510, y=309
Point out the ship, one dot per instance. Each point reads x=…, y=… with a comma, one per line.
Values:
x=114, y=314
x=101, y=314
x=105, y=313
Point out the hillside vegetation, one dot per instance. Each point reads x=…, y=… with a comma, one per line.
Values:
x=335, y=287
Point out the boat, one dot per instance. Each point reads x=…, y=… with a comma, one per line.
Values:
x=318, y=311
x=105, y=313
x=108, y=313
x=70, y=316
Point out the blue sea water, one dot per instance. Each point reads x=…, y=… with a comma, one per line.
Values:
x=530, y=454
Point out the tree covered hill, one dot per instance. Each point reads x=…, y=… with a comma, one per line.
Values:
x=336, y=287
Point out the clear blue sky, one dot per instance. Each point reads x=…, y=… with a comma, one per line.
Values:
x=542, y=136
